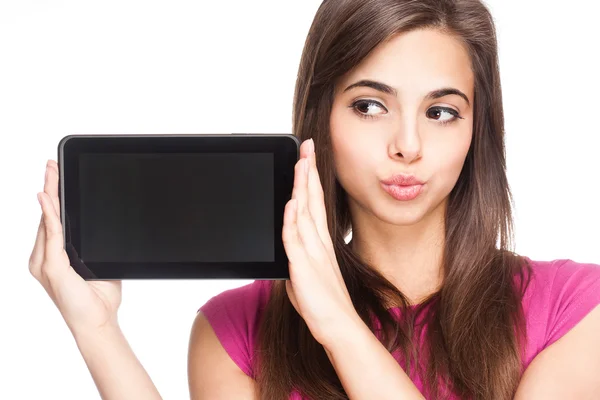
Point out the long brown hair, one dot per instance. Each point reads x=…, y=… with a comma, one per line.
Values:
x=476, y=335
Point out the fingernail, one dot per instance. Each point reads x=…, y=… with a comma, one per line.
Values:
x=311, y=146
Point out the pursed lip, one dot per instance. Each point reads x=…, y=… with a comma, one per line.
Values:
x=402, y=180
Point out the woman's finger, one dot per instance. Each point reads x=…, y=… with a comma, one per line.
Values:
x=54, y=249
x=51, y=184
x=294, y=249
x=316, y=199
x=306, y=228
x=316, y=203
x=37, y=254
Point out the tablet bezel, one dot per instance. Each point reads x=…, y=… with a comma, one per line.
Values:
x=284, y=147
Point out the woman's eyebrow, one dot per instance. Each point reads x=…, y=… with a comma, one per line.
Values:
x=387, y=89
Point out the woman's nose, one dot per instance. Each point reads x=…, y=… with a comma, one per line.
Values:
x=406, y=142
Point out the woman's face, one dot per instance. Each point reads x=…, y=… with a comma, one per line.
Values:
x=384, y=122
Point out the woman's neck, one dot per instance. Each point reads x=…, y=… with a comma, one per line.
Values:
x=408, y=256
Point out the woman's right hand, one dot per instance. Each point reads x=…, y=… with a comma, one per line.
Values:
x=84, y=305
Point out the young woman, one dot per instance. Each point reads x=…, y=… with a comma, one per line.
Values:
x=399, y=108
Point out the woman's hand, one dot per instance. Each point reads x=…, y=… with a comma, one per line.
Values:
x=316, y=287
x=84, y=305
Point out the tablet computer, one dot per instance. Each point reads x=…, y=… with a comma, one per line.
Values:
x=176, y=206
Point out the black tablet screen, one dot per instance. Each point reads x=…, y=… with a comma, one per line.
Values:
x=182, y=207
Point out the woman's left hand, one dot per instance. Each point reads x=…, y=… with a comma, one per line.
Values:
x=316, y=288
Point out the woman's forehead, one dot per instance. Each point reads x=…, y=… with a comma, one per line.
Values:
x=414, y=62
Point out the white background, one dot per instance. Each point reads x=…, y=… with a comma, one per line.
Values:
x=178, y=66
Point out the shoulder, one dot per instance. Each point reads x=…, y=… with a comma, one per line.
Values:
x=212, y=374
x=234, y=316
x=560, y=294
x=563, y=318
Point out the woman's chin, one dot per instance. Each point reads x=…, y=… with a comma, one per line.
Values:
x=409, y=213
x=402, y=215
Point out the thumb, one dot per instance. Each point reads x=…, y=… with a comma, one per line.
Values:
x=54, y=251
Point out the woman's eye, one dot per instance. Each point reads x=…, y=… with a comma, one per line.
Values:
x=443, y=115
x=368, y=108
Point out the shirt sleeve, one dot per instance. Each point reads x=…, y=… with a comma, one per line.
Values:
x=234, y=316
x=575, y=292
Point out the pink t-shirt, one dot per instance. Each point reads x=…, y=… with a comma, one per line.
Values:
x=560, y=294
